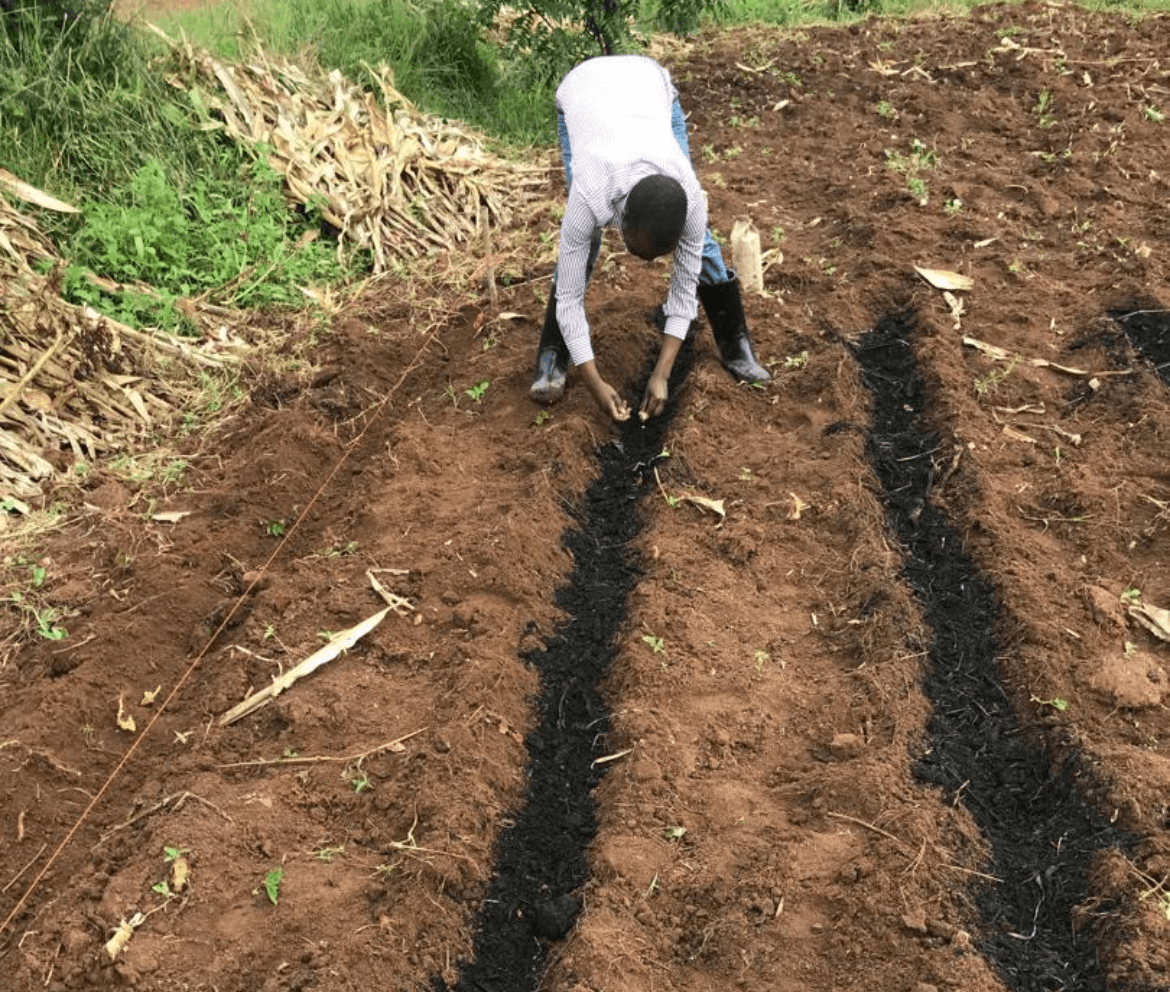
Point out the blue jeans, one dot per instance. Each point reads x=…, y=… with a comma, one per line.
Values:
x=713, y=269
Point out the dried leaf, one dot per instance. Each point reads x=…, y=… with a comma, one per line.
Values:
x=150, y=695
x=1155, y=619
x=31, y=194
x=714, y=505
x=1016, y=435
x=338, y=645
x=798, y=507
x=180, y=873
x=170, y=516
x=957, y=309
x=125, y=719
x=123, y=934
x=945, y=279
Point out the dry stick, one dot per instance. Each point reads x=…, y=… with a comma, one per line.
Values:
x=490, y=274
x=870, y=826
x=18, y=390
x=972, y=871
x=259, y=763
x=117, y=770
x=24, y=869
x=182, y=797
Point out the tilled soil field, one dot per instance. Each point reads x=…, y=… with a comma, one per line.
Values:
x=893, y=719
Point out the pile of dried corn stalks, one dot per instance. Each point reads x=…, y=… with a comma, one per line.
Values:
x=393, y=181
x=69, y=378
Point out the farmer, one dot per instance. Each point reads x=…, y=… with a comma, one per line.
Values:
x=627, y=165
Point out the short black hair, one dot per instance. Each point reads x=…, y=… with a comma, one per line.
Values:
x=657, y=207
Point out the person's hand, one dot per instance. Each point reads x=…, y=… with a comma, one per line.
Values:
x=654, y=402
x=606, y=396
x=611, y=401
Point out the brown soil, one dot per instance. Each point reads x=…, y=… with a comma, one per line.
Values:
x=783, y=718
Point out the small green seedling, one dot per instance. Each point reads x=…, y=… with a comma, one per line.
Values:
x=327, y=854
x=1042, y=109
x=290, y=752
x=325, y=635
x=993, y=378
x=1055, y=702
x=163, y=889
x=1130, y=649
x=762, y=658
x=657, y=644
x=275, y=528
x=674, y=833
x=1152, y=113
x=361, y=779
x=796, y=361
x=653, y=886
x=47, y=625
x=172, y=853
x=745, y=474
x=886, y=109
x=1131, y=596
x=952, y=207
x=476, y=392
x=39, y=574
x=272, y=884
x=542, y=418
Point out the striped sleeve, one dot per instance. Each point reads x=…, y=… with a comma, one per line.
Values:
x=577, y=228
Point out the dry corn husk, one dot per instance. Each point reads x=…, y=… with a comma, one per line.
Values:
x=393, y=181
x=70, y=379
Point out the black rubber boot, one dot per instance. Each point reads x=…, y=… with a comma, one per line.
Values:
x=724, y=308
x=552, y=358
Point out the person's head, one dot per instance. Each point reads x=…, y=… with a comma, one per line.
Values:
x=655, y=213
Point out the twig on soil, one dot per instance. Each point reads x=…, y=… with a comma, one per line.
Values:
x=971, y=871
x=870, y=826
x=178, y=798
x=607, y=758
x=52, y=965
x=393, y=745
x=397, y=603
x=24, y=869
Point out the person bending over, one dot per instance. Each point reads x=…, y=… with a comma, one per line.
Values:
x=627, y=165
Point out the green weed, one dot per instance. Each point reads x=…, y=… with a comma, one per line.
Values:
x=476, y=392
x=272, y=882
x=993, y=378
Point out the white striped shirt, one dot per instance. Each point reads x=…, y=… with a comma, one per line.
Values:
x=617, y=111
